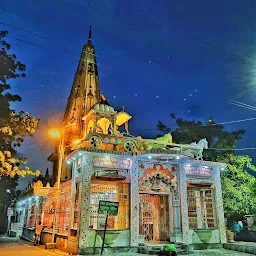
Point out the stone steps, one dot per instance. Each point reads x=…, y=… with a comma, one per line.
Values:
x=154, y=249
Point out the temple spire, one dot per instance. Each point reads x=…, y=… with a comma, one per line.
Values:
x=90, y=36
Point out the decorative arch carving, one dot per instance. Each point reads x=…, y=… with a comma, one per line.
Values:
x=158, y=177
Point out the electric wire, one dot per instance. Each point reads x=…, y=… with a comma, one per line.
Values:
x=197, y=126
x=241, y=104
x=237, y=103
x=46, y=48
x=44, y=37
x=231, y=149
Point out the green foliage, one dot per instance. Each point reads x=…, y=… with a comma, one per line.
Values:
x=14, y=127
x=239, y=187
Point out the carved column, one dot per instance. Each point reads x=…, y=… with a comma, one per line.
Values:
x=85, y=199
x=29, y=212
x=72, y=203
x=134, y=203
x=42, y=205
x=36, y=211
x=184, y=202
x=219, y=205
x=176, y=210
x=199, y=210
x=115, y=126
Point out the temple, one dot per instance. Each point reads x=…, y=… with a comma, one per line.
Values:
x=166, y=192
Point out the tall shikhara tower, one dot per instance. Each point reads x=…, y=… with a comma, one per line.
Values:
x=84, y=94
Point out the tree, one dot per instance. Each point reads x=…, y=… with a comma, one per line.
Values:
x=14, y=127
x=237, y=184
x=238, y=187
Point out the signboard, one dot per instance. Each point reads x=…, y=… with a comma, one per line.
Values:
x=10, y=212
x=199, y=170
x=108, y=162
x=111, y=174
x=108, y=207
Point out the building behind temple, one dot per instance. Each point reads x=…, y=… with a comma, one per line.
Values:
x=166, y=192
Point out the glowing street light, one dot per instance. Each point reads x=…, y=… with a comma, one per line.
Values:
x=54, y=133
x=76, y=142
x=61, y=149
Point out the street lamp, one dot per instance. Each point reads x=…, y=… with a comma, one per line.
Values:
x=61, y=150
x=58, y=134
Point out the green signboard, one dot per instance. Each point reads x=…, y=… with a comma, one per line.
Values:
x=108, y=207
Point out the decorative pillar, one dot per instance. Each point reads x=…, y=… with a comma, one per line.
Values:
x=115, y=126
x=134, y=202
x=42, y=205
x=199, y=210
x=73, y=192
x=29, y=212
x=36, y=211
x=219, y=205
x=85, y=199
x=176, y=210
x=184, y=202
x=95, y=120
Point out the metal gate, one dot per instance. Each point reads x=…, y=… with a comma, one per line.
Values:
x=154, y=217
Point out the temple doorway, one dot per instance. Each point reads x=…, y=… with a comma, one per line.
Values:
x=154, y=217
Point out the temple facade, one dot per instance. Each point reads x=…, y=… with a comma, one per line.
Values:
x=166, y=192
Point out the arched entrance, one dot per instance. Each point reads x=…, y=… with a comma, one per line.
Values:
x=157, y=188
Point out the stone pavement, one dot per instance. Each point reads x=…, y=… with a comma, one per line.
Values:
x=248, y=247
x=15, y=247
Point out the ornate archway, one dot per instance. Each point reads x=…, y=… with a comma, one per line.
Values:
x=157, y=190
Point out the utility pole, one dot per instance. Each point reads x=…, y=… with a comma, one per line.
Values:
x=60, y=161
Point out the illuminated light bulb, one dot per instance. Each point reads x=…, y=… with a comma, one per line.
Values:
x=54, y=133
x=68, y=162
x=76, y=142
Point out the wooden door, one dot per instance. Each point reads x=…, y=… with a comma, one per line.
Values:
x=154, y=217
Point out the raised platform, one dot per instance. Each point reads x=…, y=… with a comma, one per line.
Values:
x=247, y=247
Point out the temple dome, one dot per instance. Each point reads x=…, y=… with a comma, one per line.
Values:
x=103, y=108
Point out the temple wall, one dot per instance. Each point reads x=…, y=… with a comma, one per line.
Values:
x=209, y=237
x=167, y=183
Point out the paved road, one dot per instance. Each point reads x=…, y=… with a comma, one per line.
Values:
x=14, y=247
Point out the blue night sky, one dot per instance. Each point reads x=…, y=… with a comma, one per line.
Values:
x=151, y=54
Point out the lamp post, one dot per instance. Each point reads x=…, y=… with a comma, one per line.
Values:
x=60, y=161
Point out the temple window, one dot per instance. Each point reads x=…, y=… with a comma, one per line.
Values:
x=104, y=123
x=201, y=208
x=63, y=208
x=109, y=191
